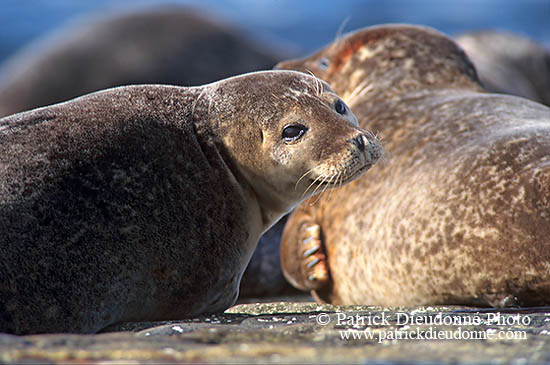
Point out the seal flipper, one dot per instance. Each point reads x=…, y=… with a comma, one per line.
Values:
x=303, y=257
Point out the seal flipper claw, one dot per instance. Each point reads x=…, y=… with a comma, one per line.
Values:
x=311, y=251
x=314, y=264
x=303, y=257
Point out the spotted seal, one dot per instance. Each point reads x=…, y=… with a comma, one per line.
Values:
x=145, y=202
x=458, y=213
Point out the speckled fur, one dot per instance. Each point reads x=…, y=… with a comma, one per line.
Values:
x=146, y=202
x=460, y=210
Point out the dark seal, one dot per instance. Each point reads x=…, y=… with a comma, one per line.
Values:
x=146, y=202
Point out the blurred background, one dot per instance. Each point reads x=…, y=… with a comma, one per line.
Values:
x=55, y=50
x=300, y=26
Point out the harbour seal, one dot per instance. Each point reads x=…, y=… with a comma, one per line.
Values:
x=458, y=213
x=509, y=63
x=156, y=45
x=145, y=202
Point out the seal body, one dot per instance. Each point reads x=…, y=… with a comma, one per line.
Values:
x=146, y=202
x=509, y=63
x=458, y=213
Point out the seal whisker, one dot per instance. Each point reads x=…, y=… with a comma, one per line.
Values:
x=313, y=75
x=340, y=29
x=341, y=180
x=338, y=178
x=310, y=185
x=321, y=177
x=356, y=91
x=318, y=84
x=318, y=196
x=300, y=179
x=360, y=90
x=320, y=184
x=330, y=182
x=317, y=88
x=325, y=185
x=367, y=89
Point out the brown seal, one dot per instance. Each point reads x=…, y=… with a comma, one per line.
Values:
x=146, y=202
x=460, y=210
x=160, y=45
x=509, y=63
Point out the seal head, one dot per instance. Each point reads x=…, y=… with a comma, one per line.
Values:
x=270, y=156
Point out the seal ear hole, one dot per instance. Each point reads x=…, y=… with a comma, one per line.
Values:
x=340, y=107
x=324, y=63
x=292, y=133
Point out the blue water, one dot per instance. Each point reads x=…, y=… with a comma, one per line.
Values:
x=302, y=25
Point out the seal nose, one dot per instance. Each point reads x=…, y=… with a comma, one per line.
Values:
x=359, y=141
x=369, y=147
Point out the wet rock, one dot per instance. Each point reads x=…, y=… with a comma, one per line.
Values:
x=307, y=332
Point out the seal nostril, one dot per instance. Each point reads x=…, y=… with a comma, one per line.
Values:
x=360, y=143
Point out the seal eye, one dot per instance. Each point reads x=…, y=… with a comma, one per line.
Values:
x=323, y=63
x=340, y=107
x=292, y=133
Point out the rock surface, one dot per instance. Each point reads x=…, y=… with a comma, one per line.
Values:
x=305, y=332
